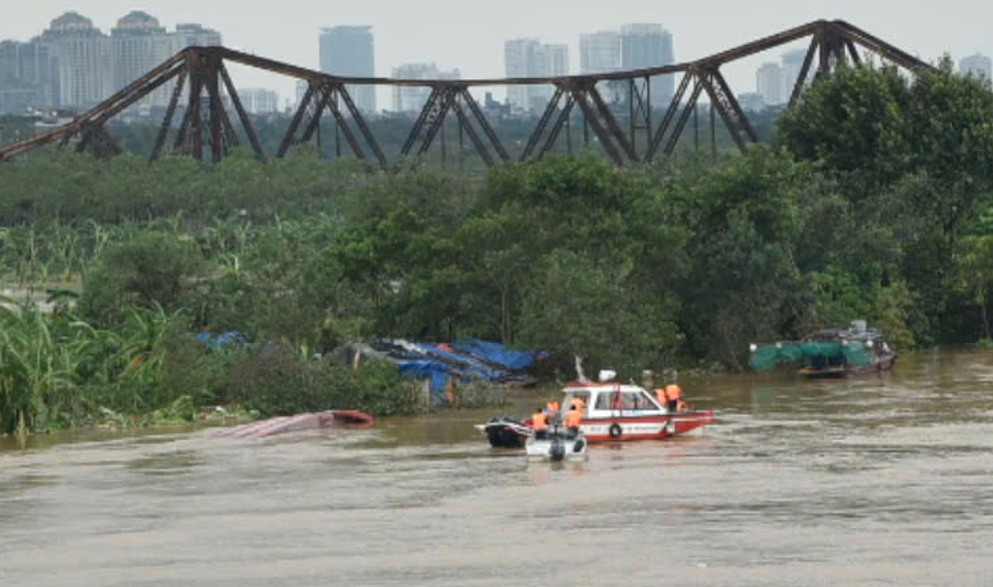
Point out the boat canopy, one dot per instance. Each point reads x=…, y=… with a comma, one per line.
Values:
x=769, y=356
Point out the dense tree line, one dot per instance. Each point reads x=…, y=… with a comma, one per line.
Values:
x=873, y=200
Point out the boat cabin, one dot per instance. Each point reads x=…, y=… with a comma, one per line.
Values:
x=612, y=400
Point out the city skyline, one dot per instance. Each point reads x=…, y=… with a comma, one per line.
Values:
x=471, y=38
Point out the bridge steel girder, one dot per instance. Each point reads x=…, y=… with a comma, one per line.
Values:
x=202, y=69
x=557, y=128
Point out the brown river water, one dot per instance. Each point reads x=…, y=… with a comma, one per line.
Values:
x=876, y=481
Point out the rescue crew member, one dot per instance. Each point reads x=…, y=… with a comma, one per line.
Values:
x=573, y=420
x=552, y=409
x=674, y=397
x=578, y=403
x=539, y=421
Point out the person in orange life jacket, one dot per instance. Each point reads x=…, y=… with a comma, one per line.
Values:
x=578, y=403
x=552, y=409
x=674, y=393
x=573, y=420
x=539, y=421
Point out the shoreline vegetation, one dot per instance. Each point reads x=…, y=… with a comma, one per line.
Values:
x=872, y=200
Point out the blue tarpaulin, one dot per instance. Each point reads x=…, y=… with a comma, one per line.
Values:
x=466, y=361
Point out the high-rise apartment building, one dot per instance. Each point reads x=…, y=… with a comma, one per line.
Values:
x=84, y=57
x=792, y=64
x=413, y=98
x=259, y=100
x=73, y=64
x=530, y=58
x=645, y=45
x=769, y=83
x=28, y=76
x=349, y=51
x=599, y=52
x=979, y=66
x=519, y=60
x=550, y=61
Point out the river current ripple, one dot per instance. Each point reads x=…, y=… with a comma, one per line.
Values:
x=879, y=481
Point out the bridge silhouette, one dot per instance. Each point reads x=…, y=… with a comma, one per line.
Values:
x=207, y=127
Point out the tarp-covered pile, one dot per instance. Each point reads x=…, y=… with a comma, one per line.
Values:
x=446, y=365
x=767, y=357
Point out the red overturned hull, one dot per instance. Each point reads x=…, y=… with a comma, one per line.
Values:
x=297, y=423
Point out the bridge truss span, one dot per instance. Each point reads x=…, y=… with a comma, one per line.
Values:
x=211, y=107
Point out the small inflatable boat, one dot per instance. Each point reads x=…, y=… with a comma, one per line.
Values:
x=557, y=445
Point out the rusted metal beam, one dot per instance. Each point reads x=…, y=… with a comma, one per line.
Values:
x=579, y=94
x=716, y=101
x=465, y=124
x=542, y=124
x=801, y=78
x=853, y=52
x=670, y=145
x=342, y=124
x=246, y=122
x=360, y=122
x=611, y=122
x=562, y=120
x=295, y=123
x=484, y=124
x=167, y=121
x=656, y=139
x=419, y=122
x=731, y=103
x=315, y=120
x=435, y=123
x=212, y=73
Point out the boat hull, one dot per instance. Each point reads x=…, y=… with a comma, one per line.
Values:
x=882, y=364
x=644, y=427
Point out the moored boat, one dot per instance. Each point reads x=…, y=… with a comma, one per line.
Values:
x=829, y=353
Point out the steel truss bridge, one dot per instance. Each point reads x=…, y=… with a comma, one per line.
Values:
x=207, y=129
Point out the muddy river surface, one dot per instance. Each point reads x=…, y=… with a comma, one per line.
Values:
x=877, y=481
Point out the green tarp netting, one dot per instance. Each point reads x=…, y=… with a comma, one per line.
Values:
x=768, y=356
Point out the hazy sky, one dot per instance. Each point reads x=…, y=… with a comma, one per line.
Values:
x=469, y=34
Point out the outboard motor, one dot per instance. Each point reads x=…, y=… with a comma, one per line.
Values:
x=557, y=452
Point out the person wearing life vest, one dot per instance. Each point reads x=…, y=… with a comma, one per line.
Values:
x=573, y=420
x=539, y=422
x=578, y=403
x=674, y=397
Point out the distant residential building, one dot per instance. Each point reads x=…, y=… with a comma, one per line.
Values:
x=84, y=57
x=530, y=58
x=519, y=60
x=301, y=91
x=259, y=100
x=769, y=83
x=72, y=64
x=413, y=98
x=349, y=51
x=792, y=64
x=645, y=45
x=600, y=52
x=979, y=66
x=550, y=61
x=28, y=76
x=752, y=102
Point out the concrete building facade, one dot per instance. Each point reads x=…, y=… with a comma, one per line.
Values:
x=645, y=45
x=349, y=51
x=528, y=57
x=769, y=83
x=413, y=98
x=979, y=66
